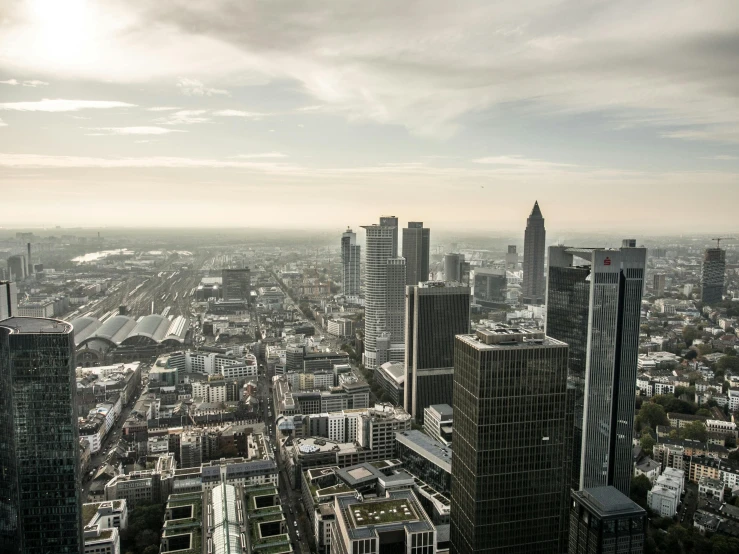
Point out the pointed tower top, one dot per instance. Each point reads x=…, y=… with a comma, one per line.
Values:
x=536, y=212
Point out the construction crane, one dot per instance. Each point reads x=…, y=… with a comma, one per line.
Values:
x=719, y=239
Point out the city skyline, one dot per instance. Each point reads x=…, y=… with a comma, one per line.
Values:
x=122, y=100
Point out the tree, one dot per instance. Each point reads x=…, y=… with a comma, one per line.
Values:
x=690, y=333
x=691, y=354
x=647, y=442
x=640, y=486
x=730, y=363
x=703, y=412
x=734, y=456
x=694, y=430
x=653, y=414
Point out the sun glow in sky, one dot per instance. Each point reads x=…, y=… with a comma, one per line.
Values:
x=323, y=114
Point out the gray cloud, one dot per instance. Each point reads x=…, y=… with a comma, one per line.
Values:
x=60, y=105
x=193, y=87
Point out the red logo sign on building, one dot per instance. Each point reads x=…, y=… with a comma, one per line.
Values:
x=607, y=261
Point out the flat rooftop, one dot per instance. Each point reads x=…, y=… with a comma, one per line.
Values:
x=21, y=325
x=608, y=501
x=382, y=511
x=501, y=337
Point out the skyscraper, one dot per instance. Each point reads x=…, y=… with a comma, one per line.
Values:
x=416, y=245
x=455, y=268
x=8, y=299
x=436, y=312
x=395, y=299
x=17, y=268
x=350, y=260
x=594, y=306
x=382, y=247
x=509, y=442
x=511, y=258
x=602, y=520
x=236, y=284
x=659, y=281
x=533, y=258
x=712, y=276
x=39, y=451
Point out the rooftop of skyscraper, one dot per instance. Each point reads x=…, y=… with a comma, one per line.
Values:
x=501, y=336
x=36, y=325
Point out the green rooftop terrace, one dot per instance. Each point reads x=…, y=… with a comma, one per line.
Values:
x=387, y=511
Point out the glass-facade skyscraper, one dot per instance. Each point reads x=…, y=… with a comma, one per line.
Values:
x=436, y=311
x=416, y=247
x=509, y=442
x=383, y=313
x=594, y=305
x=350, y=260
x=712, y=276
x=40, y=509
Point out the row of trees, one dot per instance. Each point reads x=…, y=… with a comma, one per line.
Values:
x=144, y=529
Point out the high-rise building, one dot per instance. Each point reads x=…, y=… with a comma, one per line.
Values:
x=603, y=521
x=490, y=286
x=381, y=247
x=392, y=222
x=455, y=268
x=511, y=258
x=712, y=276
x=436, y=312
x=416, y=246
x=508, y=480
x=594, y=305
x=8, y=299
x=40, y=504
x=236, y=284
x=350, y=263
x=17, y=268
x=395, y=303
x=535, y=237
x=658, y=284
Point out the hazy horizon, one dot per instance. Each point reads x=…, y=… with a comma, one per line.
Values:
x=614, y=116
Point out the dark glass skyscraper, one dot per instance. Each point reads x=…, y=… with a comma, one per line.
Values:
x=350, y=260
x=40, y=510
x=436, y=312
x=236, y=284
x=594, y=305
x=712, y=276
x=509, y=442
x=534, y=244
x=416, y=245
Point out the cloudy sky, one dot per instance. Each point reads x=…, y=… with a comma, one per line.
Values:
x=326, y=113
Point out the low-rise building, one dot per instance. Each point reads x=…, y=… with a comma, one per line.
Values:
x=437, y=422
x=396, y=522
x=391, y=377
x=713, y=488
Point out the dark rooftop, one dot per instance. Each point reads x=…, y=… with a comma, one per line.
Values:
x=32, y=325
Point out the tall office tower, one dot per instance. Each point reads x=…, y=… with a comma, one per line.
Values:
x=39, y=451
x=602, y=521
x=395, y=299
x=712, y=276
x=350, y=260
x=533, y=258
x=455, y=268
x=392, y=222
x=236, y=284
x=381, y=245
x=509, y=442
x=594, y=306
x=659, y=284
x=8, y=300
x=29, y=270
x=436, y=312
x=490, y=286
x=17, y=268
x=511, y=258
x=416, y=246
